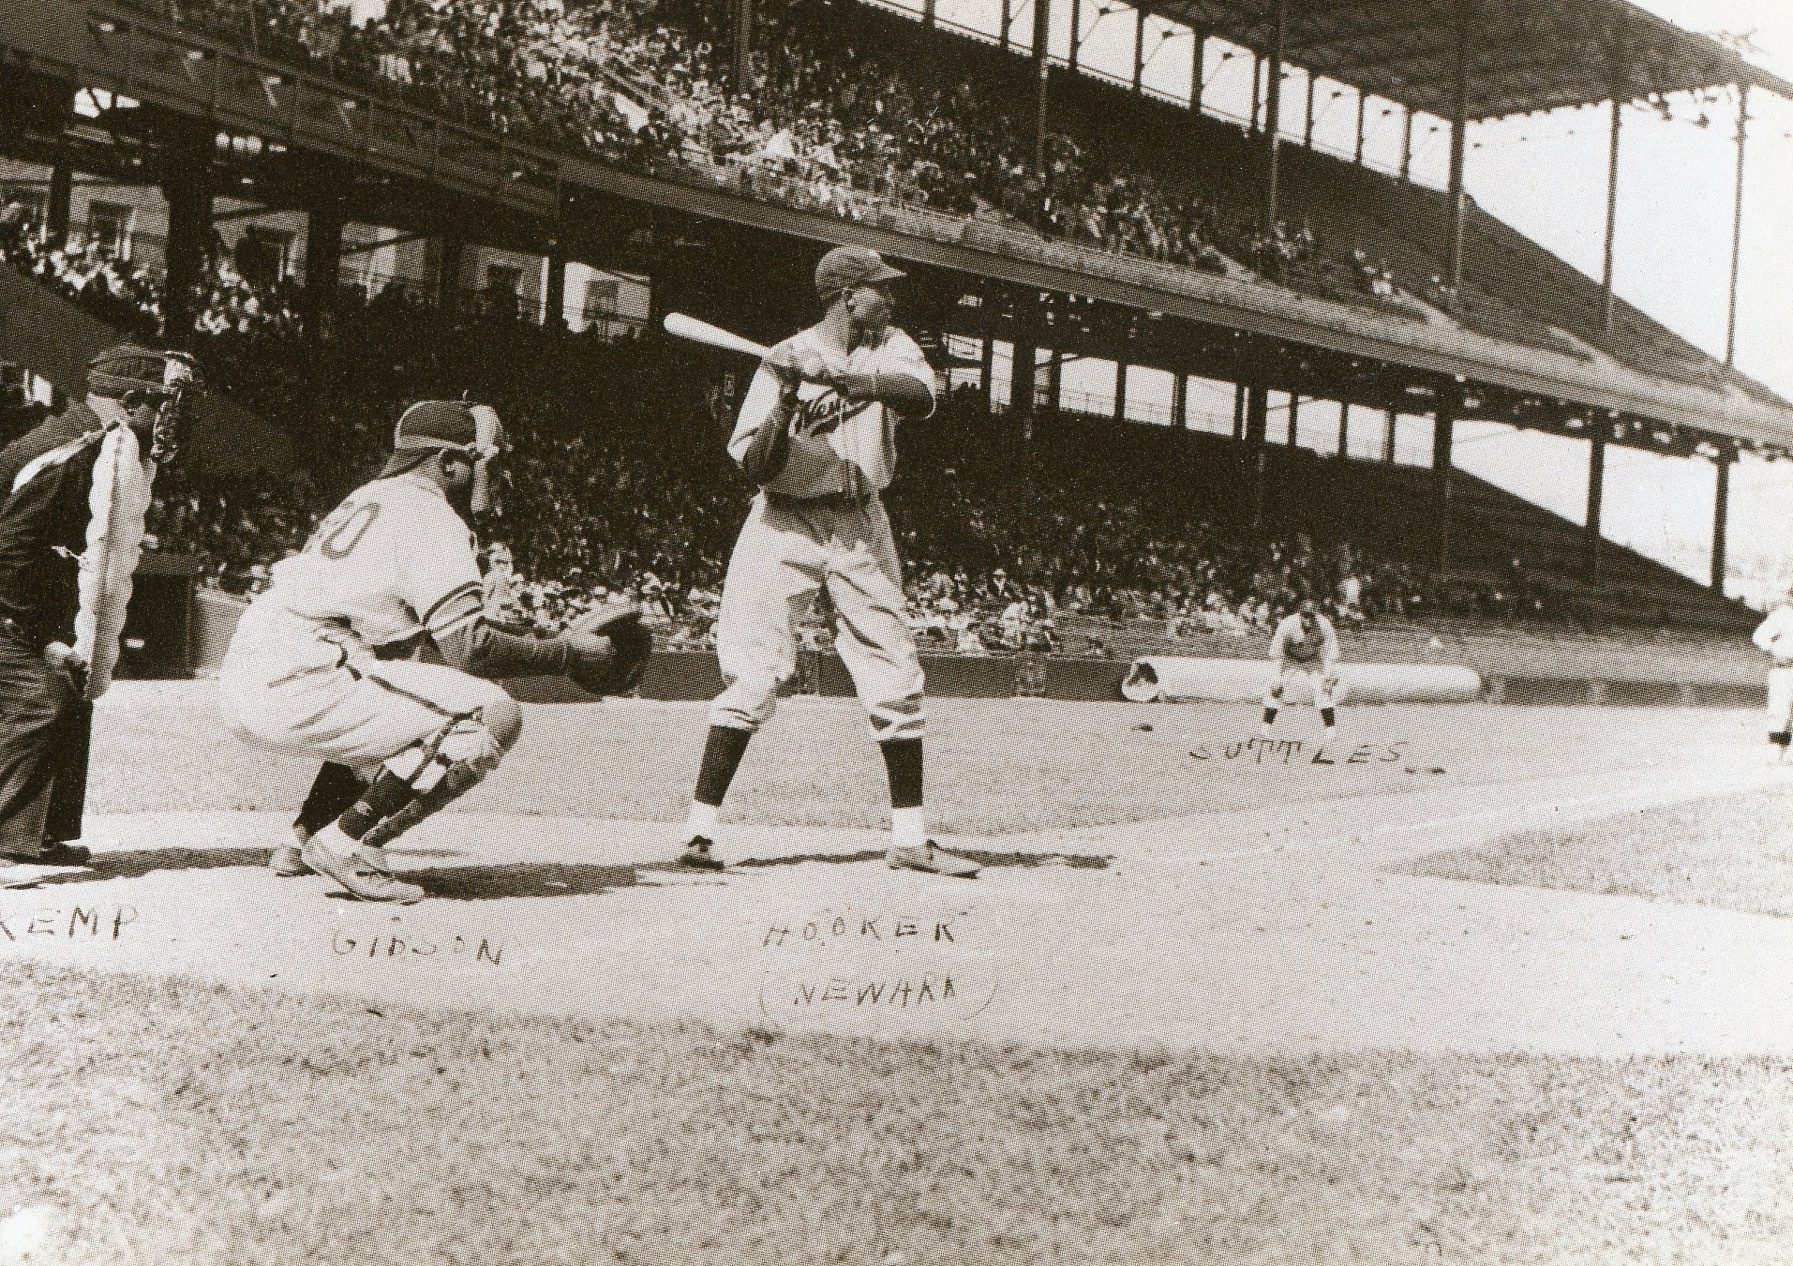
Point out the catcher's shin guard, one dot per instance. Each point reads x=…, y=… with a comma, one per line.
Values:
x=447, y=766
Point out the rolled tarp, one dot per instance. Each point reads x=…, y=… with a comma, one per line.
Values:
x=1177, y=679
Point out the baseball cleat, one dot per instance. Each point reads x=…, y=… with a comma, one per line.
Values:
x=332, y=853
x=933, y=859
x=697, y=854
x=287, y=860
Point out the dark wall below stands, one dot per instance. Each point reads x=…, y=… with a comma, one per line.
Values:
x=694, y=676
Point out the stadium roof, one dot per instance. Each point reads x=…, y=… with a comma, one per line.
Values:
x=1524, y=55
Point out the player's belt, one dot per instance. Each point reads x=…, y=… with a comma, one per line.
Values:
x=826, y=500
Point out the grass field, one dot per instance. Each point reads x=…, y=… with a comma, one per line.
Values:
x=172, y=1122
x=1735, y=852
x=160, y=1119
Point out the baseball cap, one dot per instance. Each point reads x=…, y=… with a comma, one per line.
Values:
x=431, y=425
x=846, y=266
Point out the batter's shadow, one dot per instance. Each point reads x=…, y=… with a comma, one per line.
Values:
x=983, y=857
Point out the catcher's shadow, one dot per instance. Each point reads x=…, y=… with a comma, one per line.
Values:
x=525, y=879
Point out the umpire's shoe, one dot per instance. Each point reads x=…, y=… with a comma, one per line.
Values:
x=53, y=853
x=332, y=853
x=698, y=854
x=931, y=858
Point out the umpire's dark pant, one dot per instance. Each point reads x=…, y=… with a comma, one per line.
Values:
x=45, y=727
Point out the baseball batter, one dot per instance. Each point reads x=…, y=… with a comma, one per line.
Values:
x=817, y=433
x=370, y=651
x=1775, y=636
x=1304, y=644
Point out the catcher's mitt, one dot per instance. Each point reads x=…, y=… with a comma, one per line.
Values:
x=630, y=645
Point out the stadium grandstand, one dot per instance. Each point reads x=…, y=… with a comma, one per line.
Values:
x=341, y=208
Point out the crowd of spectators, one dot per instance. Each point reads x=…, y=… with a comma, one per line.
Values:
x=827, y=120
x=130, y=296
x=606, y=499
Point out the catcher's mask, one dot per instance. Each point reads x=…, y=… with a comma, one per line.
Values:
x=473, y=431
x=169, y=380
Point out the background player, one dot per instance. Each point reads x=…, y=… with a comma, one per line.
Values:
x=1305, y=643
x=330, y=660
x=1775, y=636
x=817, y=432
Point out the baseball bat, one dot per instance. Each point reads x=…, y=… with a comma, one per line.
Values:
x=682, y=326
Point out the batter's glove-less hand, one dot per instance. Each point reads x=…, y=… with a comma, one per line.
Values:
x=610, y=650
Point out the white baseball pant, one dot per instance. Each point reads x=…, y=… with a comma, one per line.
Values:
x=1780, y=698
x=787, y=551
x=1320, y=682
x=293, y=685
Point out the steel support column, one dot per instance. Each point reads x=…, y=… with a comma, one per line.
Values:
x=1362, y=105
x=1042, y=23
x=928, y=8
x=1459, y=135
x=1257, y=418
x=986, y=371
x=1238, y=411
x=187, y=184
x=1721, y=510
x=741, y=14
x=1307, y=123
x=1076, y=32
x=1294, y=420
x=1612, y=172
x=1273, y=113
x=448, y=277
x=1590, y=541
x=1388, y=437
x=1344, y=428
x=1197, y=69
x=1139, y=49
x=323, y=269
x=1444, y=420
x=1120, y=391
x=1179, y=401
x=1055, y=379
x=62, y=188
x=1406, y=142
x=1737, y=225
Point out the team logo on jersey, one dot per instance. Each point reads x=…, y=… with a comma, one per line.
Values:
x=827, y=411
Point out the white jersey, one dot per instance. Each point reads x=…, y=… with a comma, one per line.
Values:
x=858, y=455
x=1295, y=645
x=382, y=564
x=1775, y=634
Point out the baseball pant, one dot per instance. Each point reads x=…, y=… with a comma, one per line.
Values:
x=45, y=727
x=1318, y=681
x=292, y=685
x=1780, y=698
x=787, y=552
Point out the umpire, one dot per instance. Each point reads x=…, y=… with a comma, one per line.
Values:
x=75, y=489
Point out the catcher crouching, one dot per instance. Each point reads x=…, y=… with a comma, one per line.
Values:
x=370, y=650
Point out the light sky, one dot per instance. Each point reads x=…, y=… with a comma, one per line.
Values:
x=1546, y=176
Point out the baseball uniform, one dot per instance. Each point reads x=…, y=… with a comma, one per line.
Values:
x=819, y=522
x=1299, y=650
x=318, y=664
x=1775, y=637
